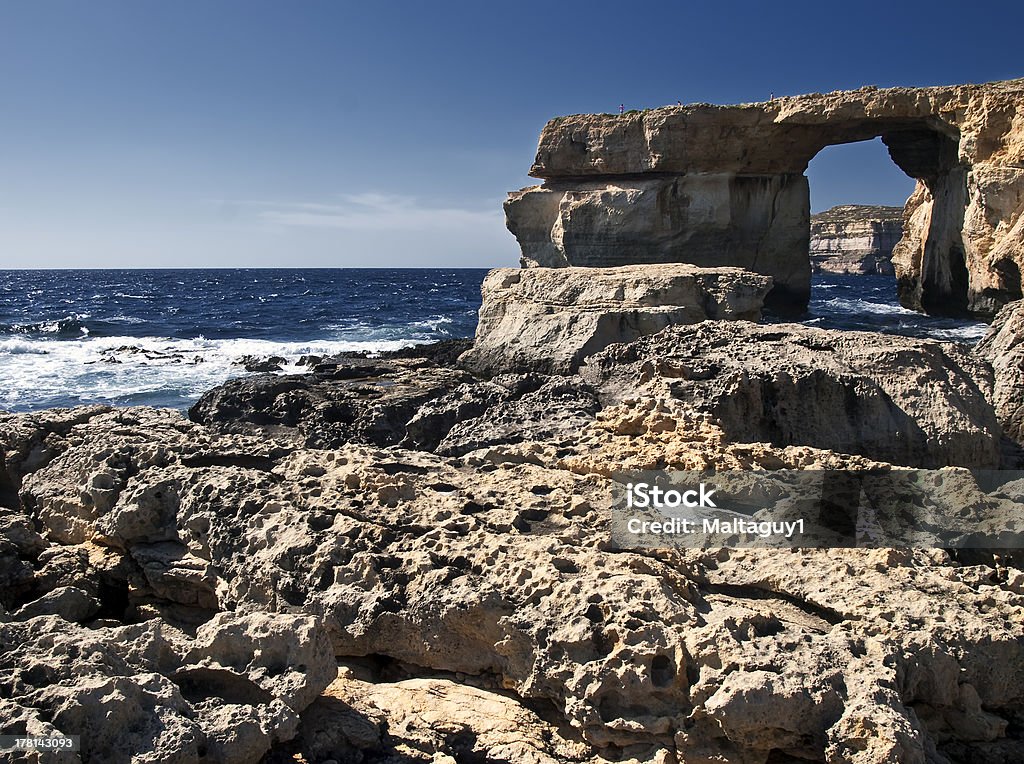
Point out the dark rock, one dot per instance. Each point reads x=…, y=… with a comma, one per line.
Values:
x=260, y=364
x=148, y=692
x=556, y=411
x=443, y=353
x=356, y=400
x=435, y=418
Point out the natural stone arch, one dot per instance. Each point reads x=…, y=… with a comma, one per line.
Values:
x=724, y=185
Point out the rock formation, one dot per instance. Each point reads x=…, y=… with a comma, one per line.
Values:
x=339, y=401
x=912, y=402
x=855, y=239
x=724, y=186
x=551, y=319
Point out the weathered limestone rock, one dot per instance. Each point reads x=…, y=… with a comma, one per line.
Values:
x=150, y=693
x=912, y=402
x=218, y=573
x=855, y=239
x=708, y=220
x=495, y=574
x=1003, y=347
x=511, y=408
x=724, y=185
x=69, y=602
x=430, y=720
x=549, y=320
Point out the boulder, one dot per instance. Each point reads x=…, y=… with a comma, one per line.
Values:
x=439, y=720
x=552, y=409
x=69, y=602
x=261, y=364
x=549, y=320
x=912, y=402
x=148, y=692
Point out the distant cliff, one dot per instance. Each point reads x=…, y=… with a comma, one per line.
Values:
x=855, y=238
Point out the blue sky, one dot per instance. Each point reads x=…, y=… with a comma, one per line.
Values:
x=234, y=133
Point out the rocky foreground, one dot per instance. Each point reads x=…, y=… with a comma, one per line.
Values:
x=407, y=558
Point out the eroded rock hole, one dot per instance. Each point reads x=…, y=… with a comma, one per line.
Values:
x=663, y=670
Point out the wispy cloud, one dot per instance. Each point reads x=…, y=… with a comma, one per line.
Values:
x=374, y=212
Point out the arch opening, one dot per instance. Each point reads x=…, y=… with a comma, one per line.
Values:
x=930, y=259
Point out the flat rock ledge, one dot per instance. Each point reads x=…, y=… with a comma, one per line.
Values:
x=550, y=320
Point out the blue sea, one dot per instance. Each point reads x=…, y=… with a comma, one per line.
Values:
x=163, y=337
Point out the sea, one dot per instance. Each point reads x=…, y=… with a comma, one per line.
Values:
x=163, y=337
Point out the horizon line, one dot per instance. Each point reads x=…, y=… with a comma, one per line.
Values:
x=270, y=268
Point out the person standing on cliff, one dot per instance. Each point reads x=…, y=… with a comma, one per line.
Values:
x=622, y=107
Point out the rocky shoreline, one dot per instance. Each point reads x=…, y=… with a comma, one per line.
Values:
x=406, y=558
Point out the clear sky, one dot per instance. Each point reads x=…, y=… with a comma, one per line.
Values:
x=138, y=133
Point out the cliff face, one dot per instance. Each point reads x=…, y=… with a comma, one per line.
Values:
x=855, y=239
x=724, y=185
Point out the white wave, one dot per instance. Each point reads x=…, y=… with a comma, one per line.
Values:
x=855, y=305
x=433, y=324
x=21, y=347
x=970, y=334
x=36, y=373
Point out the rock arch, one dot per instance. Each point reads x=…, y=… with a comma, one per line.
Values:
x=725, y=185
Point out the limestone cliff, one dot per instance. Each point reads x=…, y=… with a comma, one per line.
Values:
x=724, y=185
x=855, y=239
